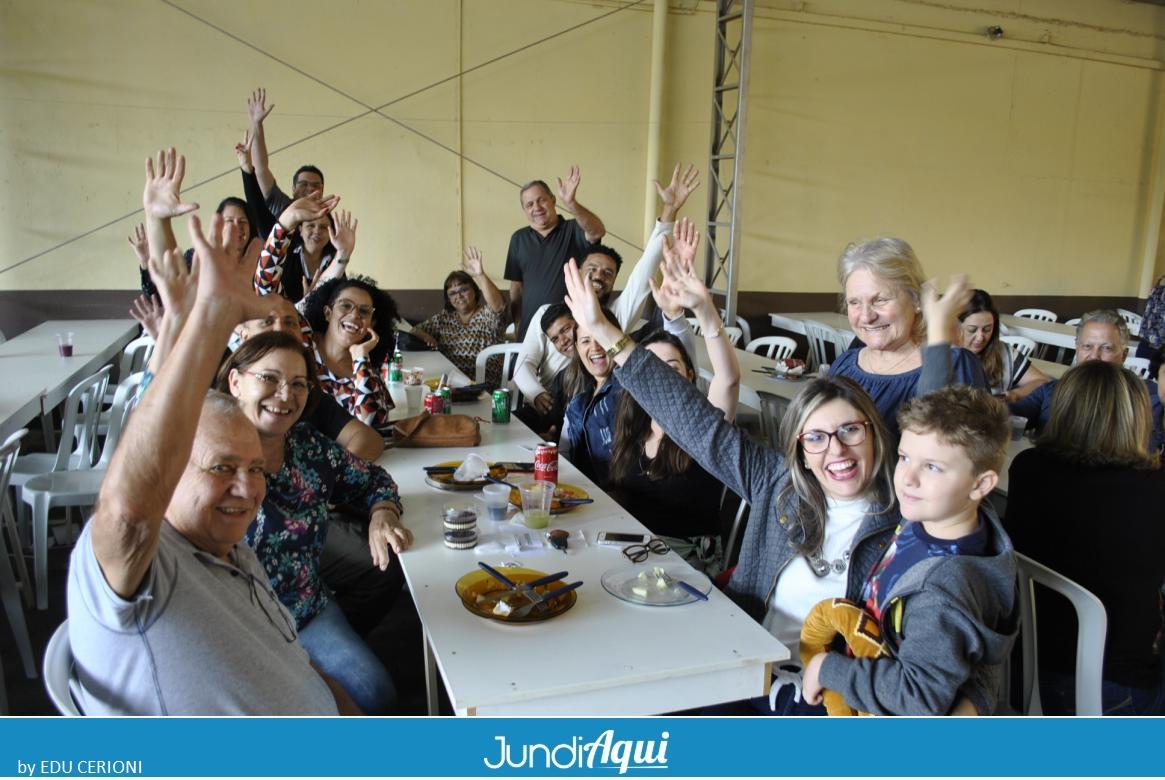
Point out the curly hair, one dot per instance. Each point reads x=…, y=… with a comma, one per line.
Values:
x=384, y=311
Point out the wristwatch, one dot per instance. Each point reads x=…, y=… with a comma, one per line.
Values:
x=618, y=346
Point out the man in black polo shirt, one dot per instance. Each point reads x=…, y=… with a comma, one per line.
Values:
x=538, y=252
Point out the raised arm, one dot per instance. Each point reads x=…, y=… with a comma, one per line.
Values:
x=681, y=289
x=683, y=183
x=157, y=442
x=258, y=110
x=269, y=269
x=592, y=226
x=472, y=264
x=943, y=365
x=162, y=200
x=699, y=428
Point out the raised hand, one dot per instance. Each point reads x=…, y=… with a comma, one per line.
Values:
x=362, y=350
x=567, y=189
x=148, y=312
x=243, y=151
x=224, y=277
x=177, y=283
x=257, y=107
x=471, y=262
x=141, y=248
x=581, y=298
x=942, y=313
x=675, y=194
x=682, y=251
x=307, y=209
x=343, y=233
x=162, y=196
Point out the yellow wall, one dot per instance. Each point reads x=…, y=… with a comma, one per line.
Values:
x=1027, y=161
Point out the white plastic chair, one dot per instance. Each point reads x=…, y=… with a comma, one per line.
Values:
x=77, y=448
x=733, y=334
x=58, y=669
x=774, y=347
x=1139, y=366
x=1019, y=345
x=1061, y=352
x=9, y=588
x=1043, y=315
x=509, y=352
x=1132, y=319
x=1092, y=628
x=818, y=335
x=74, y=487
x=741, y=323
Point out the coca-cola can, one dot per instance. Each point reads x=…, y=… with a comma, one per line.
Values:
x=546, y=462
x=434, y=403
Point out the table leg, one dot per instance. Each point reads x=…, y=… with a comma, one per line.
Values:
x=46, y=427
x=432, y=676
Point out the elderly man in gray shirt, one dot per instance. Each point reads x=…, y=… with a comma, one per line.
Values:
x=170, y=613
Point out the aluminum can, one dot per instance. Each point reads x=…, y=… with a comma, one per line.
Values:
x=501, y=405
x=446, y=400
x=434, y=403
x=546, y=462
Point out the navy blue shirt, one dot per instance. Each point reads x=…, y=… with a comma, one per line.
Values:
x=590, y=429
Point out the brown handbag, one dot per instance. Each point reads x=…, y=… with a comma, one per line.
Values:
x=442, y=430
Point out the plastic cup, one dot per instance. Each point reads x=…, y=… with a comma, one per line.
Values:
x=65, y=344
x=497, y=501
x=414, y=395
x=1018, y=425
x=536, y=500
x=823, y=370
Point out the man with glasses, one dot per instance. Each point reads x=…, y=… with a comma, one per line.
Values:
x=538, y=364
x=169, y=611
x=1101, y=335
x=307, y=181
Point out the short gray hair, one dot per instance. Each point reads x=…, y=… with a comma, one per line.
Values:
x=221, y=404
x=888, y=258
x=535, y=183
x=1105, y=317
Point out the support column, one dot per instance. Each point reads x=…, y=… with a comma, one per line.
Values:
x=654, y=113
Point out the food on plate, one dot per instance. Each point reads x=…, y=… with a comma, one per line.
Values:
x=652, y=581
x=792, y=367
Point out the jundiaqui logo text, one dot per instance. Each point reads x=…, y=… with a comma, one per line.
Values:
x=604, y=752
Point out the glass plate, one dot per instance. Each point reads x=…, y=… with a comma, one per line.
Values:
x=623, y=582
x=477, y=588
x=562, y=491
x=446, y=481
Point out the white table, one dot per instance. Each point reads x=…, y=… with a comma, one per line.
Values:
x=1055, y=334
x=603, y=656
x=795, y=322
x=37, y=379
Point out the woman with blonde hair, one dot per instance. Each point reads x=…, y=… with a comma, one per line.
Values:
x=1087, y=502
x=882, y=284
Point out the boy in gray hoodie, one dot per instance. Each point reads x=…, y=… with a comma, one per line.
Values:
x=944, y=591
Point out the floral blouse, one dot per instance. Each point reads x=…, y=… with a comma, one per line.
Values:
x=460, y=342
x=364, y=394
x=288, y=534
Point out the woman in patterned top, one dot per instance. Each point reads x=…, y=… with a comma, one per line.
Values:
x=343, y=314
x=272, y=376
x=471, y=320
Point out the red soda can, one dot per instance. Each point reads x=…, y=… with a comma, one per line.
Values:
x=434, y=403
x=546, y=462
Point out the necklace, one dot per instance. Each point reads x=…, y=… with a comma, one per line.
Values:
x=822, y=567
x=887, y=369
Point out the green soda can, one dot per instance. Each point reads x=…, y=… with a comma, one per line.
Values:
x=501, y=408
x=447, y=397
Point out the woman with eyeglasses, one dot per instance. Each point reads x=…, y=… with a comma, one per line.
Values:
x=344, y=315
x=823, y=506
x=471, y=320
x=272, y=376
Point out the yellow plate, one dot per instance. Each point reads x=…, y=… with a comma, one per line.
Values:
x=478, y=592
x=433, y=383
x=446, y=481
x=562, y=491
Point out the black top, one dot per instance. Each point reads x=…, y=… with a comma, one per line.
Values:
x=1104, y=528
x=328, y=417
x=682, y=505
x=537, y=263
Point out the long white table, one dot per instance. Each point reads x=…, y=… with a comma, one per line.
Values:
x=36, y=379
x=602, y=657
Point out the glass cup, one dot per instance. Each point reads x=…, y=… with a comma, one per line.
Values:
x=536, y=500
x=497, y=501
x=65, y=344
x=1018, y=424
